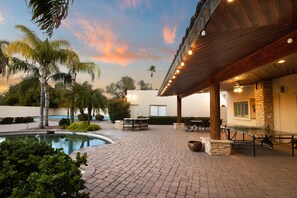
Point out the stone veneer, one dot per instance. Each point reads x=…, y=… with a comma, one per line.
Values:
x=118, y=124
x=216, y=147
x=264, y=104
x=179, y=126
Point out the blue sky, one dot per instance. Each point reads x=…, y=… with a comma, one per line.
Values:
x=123, y=37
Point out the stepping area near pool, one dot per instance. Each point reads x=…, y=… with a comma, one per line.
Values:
x=158, y=163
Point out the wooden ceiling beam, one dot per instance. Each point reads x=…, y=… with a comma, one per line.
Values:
x=270, y=53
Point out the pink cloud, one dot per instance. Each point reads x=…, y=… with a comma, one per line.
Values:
x=108, y=48
x=169, y=34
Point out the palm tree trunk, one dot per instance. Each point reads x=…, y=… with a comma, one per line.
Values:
x=89, y=114
x=71, y=115
x=46, y=104
x=42, y=83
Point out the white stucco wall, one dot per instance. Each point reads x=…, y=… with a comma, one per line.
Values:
x=22, y=111
x=194, y=105
x=285, y=104
x=246, y=95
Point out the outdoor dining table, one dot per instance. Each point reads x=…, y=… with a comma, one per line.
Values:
x=196, y=123
x=265, y=135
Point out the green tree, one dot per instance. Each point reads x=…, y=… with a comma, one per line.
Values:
x=118, y=109
x=24, y=93
x=119, y=89
x=45, y=53
x=48, y=14
x=144, y=86
x=152, y=70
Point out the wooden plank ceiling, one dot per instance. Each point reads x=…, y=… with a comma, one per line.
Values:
x=244, y=37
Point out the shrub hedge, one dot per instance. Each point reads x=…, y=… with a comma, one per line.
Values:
x=64, y=123
x=99, y=117
x=118, y=109
x=83, y=127
x=83, y=117
x=9, y=120
x=29, y=168
x=169, y=120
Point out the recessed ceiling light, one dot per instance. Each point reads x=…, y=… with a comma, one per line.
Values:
x=290, y=40
x=229, y=1
x=281, y=61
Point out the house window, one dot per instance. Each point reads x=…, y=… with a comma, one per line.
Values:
x=158, y=110
x=241, y=109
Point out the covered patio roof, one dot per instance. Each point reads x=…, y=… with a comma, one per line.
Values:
x=244, y=40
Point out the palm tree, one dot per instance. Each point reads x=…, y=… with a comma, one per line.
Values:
x=45, y=53
x=152, y=69
x=3, y=57
x=48, y=14
x=81, y=96
x=74, y=65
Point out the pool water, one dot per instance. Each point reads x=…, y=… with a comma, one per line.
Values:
x=75, y=117
x=69, y=143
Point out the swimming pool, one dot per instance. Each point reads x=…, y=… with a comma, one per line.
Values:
x=75, y=117
x=68, y=141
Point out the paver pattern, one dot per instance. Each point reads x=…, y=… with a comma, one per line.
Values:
x=158, y=163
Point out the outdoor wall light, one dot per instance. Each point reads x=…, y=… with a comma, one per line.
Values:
x=237, y=88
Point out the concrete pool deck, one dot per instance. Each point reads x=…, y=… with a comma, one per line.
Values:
x=158, y=163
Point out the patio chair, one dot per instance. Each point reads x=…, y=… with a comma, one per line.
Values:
x=205, y=124
x=189, y=126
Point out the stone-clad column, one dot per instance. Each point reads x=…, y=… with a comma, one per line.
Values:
x=264, y=104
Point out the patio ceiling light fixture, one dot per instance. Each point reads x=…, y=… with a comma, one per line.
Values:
x=237, y=88
x=182, y=63
x=190, y=52
x=281, y=61
x=203, y=33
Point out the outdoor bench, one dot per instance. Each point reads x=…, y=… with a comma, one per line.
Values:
x=135, y=123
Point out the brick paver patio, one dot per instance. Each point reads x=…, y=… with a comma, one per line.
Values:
x=158, y=163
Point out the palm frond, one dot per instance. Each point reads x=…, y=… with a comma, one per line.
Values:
x=61, y=76
x=30, y=37
x=22, y=48
x=16, y=65
x=48, y=14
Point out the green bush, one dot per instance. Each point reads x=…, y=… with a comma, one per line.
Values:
x=118, y=109
x=23, y=119
x=83, y=127
x=83, y=117
x=29, y=119
x=94, y=127
x=64, y=123
x=99, y=117
x=29, y=168
x=169, y=120
x=19, y=120
x=7, y=120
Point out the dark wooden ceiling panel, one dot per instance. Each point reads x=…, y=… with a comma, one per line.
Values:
x=235, y=31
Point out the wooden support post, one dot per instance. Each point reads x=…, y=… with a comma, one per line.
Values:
x=179, y=110
x=215, y=132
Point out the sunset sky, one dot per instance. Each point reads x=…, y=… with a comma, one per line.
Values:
x=123, y=37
